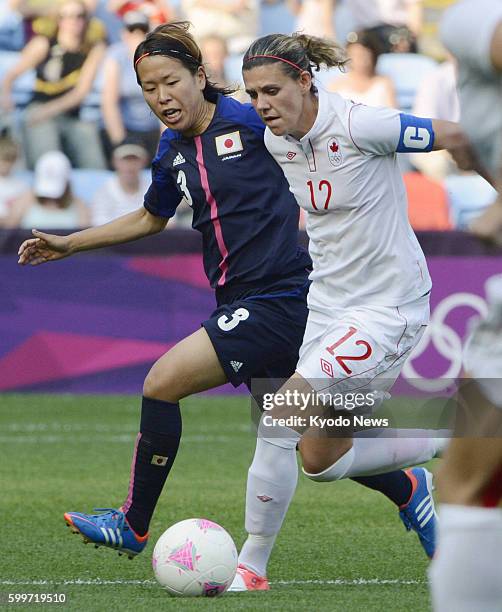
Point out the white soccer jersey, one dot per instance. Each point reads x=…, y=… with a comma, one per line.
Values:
x=467, y=30
x=345, y=174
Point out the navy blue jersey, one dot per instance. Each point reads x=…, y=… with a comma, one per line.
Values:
x=240, y=198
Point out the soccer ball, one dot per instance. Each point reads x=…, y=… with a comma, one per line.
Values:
x=195, y=557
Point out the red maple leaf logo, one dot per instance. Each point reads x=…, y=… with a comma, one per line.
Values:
x=334, y=147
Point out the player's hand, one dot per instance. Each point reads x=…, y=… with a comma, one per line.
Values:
x=464, y=155
x=43, y=248
x=488, y=226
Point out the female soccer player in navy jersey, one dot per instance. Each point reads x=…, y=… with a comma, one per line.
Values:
x=212, y=154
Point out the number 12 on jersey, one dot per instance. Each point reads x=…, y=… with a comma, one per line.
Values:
x=320, y=195
x=341, y=359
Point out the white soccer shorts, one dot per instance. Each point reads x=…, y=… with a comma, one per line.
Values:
x=362, y=349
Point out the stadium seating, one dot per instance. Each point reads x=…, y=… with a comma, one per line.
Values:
x=275, y=17
x=84, y=182
x=11, y=29
x=233, y=65
x=110, y=20
x=406, y=71
x=468, y=195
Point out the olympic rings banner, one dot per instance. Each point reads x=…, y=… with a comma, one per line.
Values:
x=95, y=323
x=457, y=300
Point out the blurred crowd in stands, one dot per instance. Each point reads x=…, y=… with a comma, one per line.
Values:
x=76, y=137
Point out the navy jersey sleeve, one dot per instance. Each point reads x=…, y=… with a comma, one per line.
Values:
x=254, y=122
x=162, y=198
x=243, y=113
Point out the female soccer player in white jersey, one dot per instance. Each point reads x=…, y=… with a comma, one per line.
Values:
x=467, y=572
x=369, y=297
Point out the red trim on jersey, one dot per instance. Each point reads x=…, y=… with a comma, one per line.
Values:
x=314, y=169
x=213, y=206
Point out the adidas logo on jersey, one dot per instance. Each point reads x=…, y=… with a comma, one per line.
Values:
x=237, y=365
x=179, y=159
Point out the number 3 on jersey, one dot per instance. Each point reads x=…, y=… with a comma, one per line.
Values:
x=182, y=182
x=320, y=195
x=227, y=323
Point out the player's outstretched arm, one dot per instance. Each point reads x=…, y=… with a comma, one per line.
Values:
x=450, y=136
x=48, y=247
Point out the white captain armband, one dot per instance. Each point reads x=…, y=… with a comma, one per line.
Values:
x=417, y=135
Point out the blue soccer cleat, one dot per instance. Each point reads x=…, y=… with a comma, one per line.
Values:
x=109, y=529
x=419, y=513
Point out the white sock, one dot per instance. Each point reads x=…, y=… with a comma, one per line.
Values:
x=256, y=552
x=272, y=480
x=466, y=574
x=379, y=455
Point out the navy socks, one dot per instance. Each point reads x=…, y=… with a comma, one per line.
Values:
x=394, y=485
x=154, y=454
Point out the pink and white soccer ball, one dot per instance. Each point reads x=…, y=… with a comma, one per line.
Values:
x=195, y=557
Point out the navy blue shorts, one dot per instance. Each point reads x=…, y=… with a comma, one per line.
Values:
x=259, y=336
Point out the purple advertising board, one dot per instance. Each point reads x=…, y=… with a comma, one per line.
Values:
x=95, y=323
x=457, y=300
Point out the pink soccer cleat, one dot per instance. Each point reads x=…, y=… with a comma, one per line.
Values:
x=246, y=580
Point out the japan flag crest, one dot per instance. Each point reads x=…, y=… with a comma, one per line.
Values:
x=228, y=143
x=334, y=153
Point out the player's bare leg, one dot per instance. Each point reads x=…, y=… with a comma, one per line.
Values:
x=474, y=457
x=468, y=469
x=191, y=366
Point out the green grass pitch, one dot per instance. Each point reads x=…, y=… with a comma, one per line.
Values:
x=342, y=547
